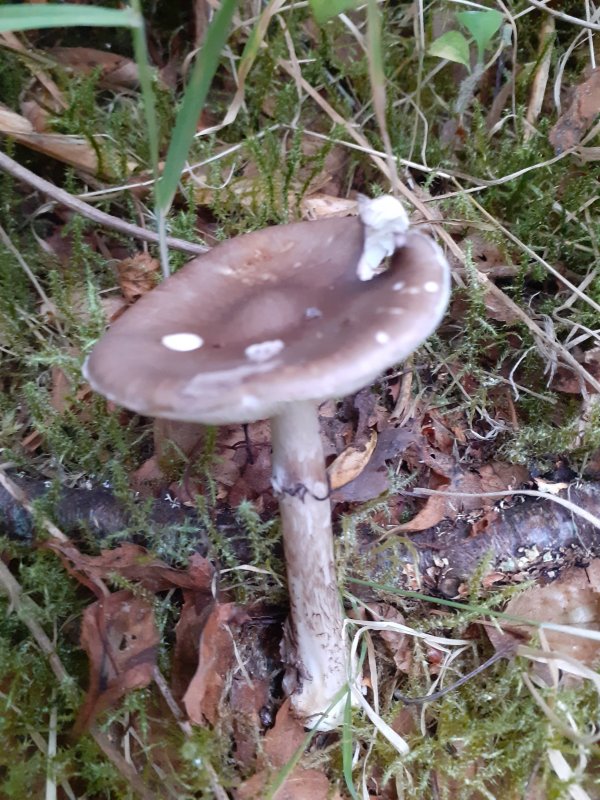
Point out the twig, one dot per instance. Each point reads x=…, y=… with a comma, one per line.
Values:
x=503, y=652
x=19, y=495
x=127, y=770
x=218, y=792
x=6, y=241
x=7, y=164
x=572, y=507
x=583, y=23
x=164, y=689
x=542, y=73
x=27, y=611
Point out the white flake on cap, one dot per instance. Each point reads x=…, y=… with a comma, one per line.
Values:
x=182, y=342
x=263, y=351
x=431, y=286
x=386, y=224
x=381, y=337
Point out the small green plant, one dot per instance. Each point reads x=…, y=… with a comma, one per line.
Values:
x=326, y=9
x=455, y=46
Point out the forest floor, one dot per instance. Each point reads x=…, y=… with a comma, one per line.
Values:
x=142, y=580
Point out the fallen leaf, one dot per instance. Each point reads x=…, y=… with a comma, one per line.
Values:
x=194, y=613
x=500, y=307
x=482, y=523
x=137, y=275
x=61, y=389
x=280, y=745
x=351, y=462
x=53, y=97
x=246, y=700
x=573, y=599
x=115, y=71
x=313, y=175
x=215, y=662
x=120, y=637
x=398, y=644
x=566, y=380
x=487, y=256
x=243, y=461
x=320, y=206
x=73, y=150
x=135, y=563
x=147, y=477
x=572, y=125
x=392, y=443
x=493, y=477
x=173, y=441
x=36, y=115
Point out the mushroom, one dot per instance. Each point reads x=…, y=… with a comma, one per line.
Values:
x=267, y=325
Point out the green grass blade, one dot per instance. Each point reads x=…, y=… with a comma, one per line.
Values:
x=347, y=747
x=323, y=10
x=142, y=61
x=25, y=17
x=378, y=87
x=196, y=91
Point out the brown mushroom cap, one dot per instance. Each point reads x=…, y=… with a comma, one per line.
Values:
x=270, y=317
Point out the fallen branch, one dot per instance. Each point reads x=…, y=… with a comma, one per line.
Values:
x=533, y=534
x=7, y=164
x=28, y=612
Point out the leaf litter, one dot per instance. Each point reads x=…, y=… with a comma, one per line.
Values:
x=366, y=447
x=120, y=637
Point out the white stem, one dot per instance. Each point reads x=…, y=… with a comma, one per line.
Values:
x=318, y=649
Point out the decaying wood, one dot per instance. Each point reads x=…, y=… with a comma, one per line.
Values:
x=97, y=511
x=529, y=536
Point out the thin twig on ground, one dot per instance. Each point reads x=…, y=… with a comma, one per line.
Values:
x=7, y=164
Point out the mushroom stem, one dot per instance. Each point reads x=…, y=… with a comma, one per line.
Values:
x=315, y=633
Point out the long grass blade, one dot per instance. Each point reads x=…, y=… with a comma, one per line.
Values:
x=347, y=748
x=196, y=91
x=142, y=60
x=378, y=88
x=25, y=17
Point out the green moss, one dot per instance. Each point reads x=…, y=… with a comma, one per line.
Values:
x=492, y=722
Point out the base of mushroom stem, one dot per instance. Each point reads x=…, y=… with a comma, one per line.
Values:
x=319, y=701
x=318, y=709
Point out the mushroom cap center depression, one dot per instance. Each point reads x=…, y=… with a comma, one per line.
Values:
x=267, y=318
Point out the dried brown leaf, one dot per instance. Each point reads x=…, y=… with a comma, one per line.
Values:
x=398, y=644
x=115, y=71
x=320, y=206
x=61, y=390
x=36, y=115
x=572, y=125
x=247, y=699
x=215, y=661
x=137, y=275
x=493, y=477
x=280, y=744
x=194, y=613
x=73, y=150
x=574, y=599
x=392, y=443
x=120, y=637
x=135, y=563
x=566, y=380
x=351, y=462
